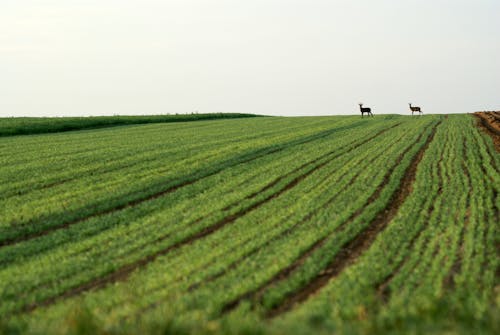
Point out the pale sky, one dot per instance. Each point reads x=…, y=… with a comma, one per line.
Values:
x=274, y=57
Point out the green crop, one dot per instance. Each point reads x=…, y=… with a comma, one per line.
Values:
x=265, y=225
x=30, y=125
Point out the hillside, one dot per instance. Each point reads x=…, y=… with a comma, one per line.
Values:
x=252, y=226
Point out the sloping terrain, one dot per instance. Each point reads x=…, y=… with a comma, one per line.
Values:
x=490, y=122
x=258, y=225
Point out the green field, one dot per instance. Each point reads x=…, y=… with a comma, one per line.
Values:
x=269, y=225
x=38, y=125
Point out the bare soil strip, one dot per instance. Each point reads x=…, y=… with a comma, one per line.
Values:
x=489, y=122
x=353, y=249
x=197, y=176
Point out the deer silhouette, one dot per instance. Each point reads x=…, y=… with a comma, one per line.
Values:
x=365, y=110
x=415, y=109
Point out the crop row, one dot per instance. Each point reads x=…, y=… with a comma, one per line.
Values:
x=320, y=229
x=26, y=125
x=123, y=181
x=437, y=258
x=229, y=187
x=103, y=243
x=298, y=210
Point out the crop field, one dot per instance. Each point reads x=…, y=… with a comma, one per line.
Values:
x=268, y=225
x=39, y=125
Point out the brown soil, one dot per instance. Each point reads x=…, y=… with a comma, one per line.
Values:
x=353, y=249
x=489, y=122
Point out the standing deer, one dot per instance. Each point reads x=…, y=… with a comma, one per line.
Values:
x=415, y=109
x=365, y=110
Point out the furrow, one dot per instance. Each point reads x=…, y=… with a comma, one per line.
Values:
x=493, y=132
x=256, y=294
x=383, y=287
x=354, y=248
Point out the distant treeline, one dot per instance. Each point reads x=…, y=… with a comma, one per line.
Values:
x=37, y=125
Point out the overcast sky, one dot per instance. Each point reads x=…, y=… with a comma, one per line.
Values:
x=275, y=57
